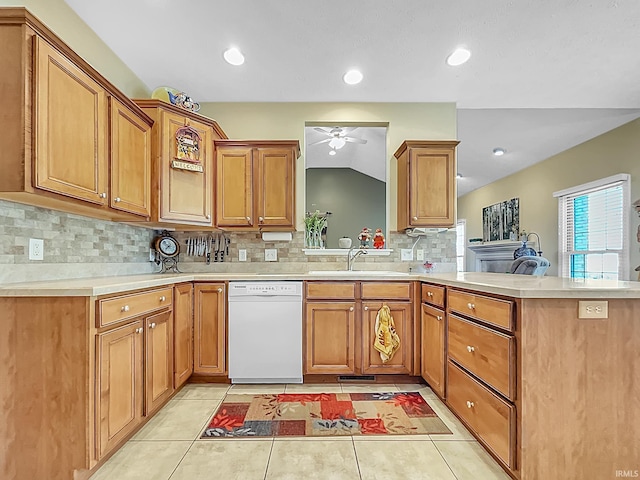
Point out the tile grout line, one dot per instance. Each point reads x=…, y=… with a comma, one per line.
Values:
x=355, y=452
x=266, y=470
x=445, y=460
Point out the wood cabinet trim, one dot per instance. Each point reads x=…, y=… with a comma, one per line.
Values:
x=445, y=144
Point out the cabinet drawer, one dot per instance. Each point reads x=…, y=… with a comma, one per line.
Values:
x=433, y=294
x=387, y=291
x=484, y=352
x=115, y=309
x=490, y=417
x=331, y=290
x=491, y=310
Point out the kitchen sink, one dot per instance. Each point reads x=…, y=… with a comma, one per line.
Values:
x=368, y=273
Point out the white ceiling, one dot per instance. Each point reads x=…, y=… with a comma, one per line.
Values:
x=532, y=62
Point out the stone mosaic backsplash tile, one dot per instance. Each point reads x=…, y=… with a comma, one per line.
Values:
x=76, y=246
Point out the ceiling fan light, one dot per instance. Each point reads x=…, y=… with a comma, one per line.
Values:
x=337, y=143
x=499, y=151
x=234, y=56
x=332, y=152
x=458, y=57
x=352, y=77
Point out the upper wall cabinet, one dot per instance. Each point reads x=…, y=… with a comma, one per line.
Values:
x=255, y=186
x=182, y=171
x=71, y=141
x=426, y=184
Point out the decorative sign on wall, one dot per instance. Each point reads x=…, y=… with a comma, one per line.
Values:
x=501, y=221
x=187, y=150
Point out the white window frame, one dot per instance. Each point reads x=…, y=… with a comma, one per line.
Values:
x=624, y=180
x=462, y=223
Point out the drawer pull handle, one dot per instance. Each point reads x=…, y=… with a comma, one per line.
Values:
x=103, y=195
x=351, y=309
x=163, y=298
x=125, y=308
x=117, y=199
x=471, y=306
x=429, y=294
x=438, y=317
x=139, y=330
x=152, y=325
x=469, y=404
x=470, y=349
x=366, y=309
x=219, y=290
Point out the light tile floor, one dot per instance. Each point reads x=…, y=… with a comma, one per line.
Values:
x=168, y=447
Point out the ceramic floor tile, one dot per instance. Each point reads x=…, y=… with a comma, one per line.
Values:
x=314, y=388
x=424, y=390
x=368, y=388
x=231, y=460
x=178, y=420
x=292, y=460
x=242, y=389
x=389, y=460
x=143, y=460
x=198, y=391
x=469, y=461
x=459, y=431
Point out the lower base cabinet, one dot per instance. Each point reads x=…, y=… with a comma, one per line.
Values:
x=182, y=333
x=209, y=330
x=402, y=361
x=433, y=355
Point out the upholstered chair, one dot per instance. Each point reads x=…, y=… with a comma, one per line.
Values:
x=529, y=265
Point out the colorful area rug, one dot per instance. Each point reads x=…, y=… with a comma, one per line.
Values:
x=324, y=414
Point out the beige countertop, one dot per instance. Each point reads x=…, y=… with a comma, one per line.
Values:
x=518, y=286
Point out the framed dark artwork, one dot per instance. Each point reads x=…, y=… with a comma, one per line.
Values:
x=501, y=221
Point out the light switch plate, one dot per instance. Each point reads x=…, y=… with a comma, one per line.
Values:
x=270, y=254
x=420, y=255
x=406, y=255
x=242, y=255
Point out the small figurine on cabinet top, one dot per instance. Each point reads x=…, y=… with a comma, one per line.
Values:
x=378, y=239
x=364, y=237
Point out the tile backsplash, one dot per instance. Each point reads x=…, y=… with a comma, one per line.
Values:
x=76, y=246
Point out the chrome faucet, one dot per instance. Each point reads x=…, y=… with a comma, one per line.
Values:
x=352, y=256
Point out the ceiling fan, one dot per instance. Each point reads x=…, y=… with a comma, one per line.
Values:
x=337, y=137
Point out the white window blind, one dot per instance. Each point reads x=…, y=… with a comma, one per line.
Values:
x=594, y=221
x=461, y=227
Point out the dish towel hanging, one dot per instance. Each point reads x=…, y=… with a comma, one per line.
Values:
x=387, y=340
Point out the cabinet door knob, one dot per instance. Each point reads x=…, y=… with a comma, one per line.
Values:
x=125, y=308
x=208, y=217
x=162, y=298
x=469, y=404
x=438, y=317
x=117, y=199
x=152, y=325
x=429, y=294
x=220, y=290
x=470, y=349
x=138, y=330
x=248, y=219
x=471, y=306
x=103, y=195
x=260, y=219
x=366, y=309
x=351, y=309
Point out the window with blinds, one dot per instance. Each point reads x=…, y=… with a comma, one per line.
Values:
x=593, y=229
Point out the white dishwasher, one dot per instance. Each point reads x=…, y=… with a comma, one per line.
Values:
x=265, y=332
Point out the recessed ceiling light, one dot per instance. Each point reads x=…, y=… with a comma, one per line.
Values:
x=332, y=152
x=234, y=56
x=458, y=57
x=499, y=151
x=352, y=77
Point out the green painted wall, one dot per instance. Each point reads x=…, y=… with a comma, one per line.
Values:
x=617, y=151
x=355, y=201
x=65, y=23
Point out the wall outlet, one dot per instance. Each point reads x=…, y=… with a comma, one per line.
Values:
x=420, y=255
x=593, y=309
x=270, y=254
x=406, y=255
x=242, y=255
x=36, y=249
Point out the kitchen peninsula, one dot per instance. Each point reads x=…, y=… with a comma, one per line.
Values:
x=564, y=409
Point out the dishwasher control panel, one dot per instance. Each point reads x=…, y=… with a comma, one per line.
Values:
x=265, y=289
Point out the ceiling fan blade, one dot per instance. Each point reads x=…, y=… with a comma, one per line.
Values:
x=321, y=141
x=354, y=140
x=347, y=130
x=321, y=130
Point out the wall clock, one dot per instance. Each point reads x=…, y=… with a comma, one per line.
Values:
x=167, y=250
